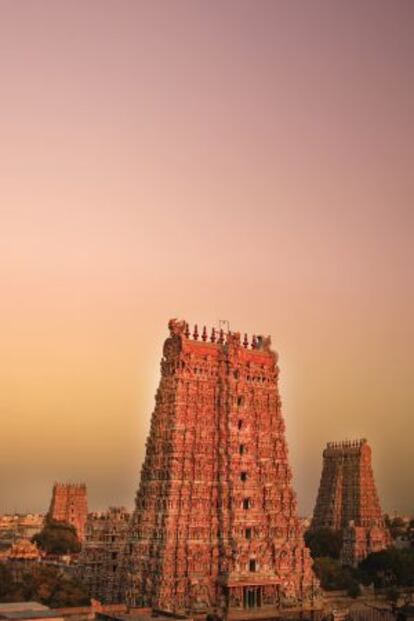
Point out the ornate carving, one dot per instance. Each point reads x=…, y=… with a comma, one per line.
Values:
x=348, y=500
x=69, y=504
x=177, y=328
x=215, y=510
x=100, y=562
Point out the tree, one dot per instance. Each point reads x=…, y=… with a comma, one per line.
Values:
x=57, y=538
x=45, y=584
x=397, y=527
x=324, y=542
x=354, y=589
x=332, y=575
x=392, y=595
x=8, y=588
x=390, y=567
x=53, y=587
x=411, y=532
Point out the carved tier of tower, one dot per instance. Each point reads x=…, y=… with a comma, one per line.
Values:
x=215, y=523
x=348, y=500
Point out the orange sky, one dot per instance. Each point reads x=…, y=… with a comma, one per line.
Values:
x=249, y=161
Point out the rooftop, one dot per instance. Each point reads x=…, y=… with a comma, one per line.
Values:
x=13, y=606
x=26, y=610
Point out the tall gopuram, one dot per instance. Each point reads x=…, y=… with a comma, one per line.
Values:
x=69, y=504
x=215, y=525
x=348, y=500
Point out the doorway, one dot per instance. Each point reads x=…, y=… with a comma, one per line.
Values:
x=252, y=597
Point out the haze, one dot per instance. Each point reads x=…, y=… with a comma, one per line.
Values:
x=249, y=161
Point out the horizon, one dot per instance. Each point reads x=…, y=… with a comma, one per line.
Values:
x=241, y=161
x=129, y=505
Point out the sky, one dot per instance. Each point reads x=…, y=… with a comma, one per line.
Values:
x=206, y=160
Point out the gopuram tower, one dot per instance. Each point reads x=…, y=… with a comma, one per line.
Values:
x=69, y=504
x=215, y=525
x=348, y=500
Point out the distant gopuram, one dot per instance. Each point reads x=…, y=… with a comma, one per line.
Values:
x=70, y=504
x=215, y=526
x=348, y=500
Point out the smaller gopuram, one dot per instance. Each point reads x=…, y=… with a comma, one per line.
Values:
x=100, y=560
x=69, y=504
x=348, y=500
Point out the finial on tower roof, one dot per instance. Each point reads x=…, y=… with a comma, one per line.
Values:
x=213, y=335
x=245, y=342
x=204, y=335
x=187, y=330
x=254, y=342
x=195, y=333
x=221, y=336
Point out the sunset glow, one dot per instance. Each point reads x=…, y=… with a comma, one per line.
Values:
x=248, y=161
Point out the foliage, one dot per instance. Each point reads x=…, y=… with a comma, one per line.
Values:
x=8, y=588
x=392, y=594
x=42, y=583
x=390, y=567
x=411, y=533
x=354, y=589
x=335, y=577
x=57, y=538
x=396, y=526
x=324, y=542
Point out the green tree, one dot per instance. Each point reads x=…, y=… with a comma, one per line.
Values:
x=8, y=588
x=333, y=576
x=57, y=538
x=53, y=587
x=45, y=584
x=324, y=542
x=410, y=532
x=392, y=595
x=390, y=567
x=397, y=527
x=354, y=589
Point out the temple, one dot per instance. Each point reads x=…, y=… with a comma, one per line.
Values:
x=348, y=500
x=99, y=563
x=215, y=525
x=69, y=504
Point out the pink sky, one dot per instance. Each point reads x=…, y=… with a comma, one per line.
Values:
x=244, y=160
